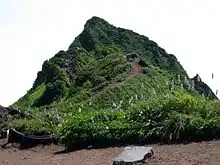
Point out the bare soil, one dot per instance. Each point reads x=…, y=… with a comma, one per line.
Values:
x=49, y=155
x=190, y=154
x=136, y=68
x=203, y=153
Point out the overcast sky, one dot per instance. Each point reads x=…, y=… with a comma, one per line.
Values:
x=32, y=31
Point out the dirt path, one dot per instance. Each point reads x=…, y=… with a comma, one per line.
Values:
x=191, y=154
x=136, y=68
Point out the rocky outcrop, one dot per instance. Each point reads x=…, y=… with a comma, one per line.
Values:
x=7, y=113
x=203, y=88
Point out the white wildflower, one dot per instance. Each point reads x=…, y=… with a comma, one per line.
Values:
x=107, y=127
x=181, y=86
x=198, y=79
x=154, y=92
x=193, y=84
x=141, y=113
x=189, y=86
x=80, y=109
x=186, y=80
x=59, y=118
x=130, y=100
x=172, y=88
x=167, y=83
x=114, y=105
x=136, y=97
x=90, y=103
x=172, y=85
x=118, y=107
x=179, y=78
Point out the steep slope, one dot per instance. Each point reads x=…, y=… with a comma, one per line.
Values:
x=105, y=65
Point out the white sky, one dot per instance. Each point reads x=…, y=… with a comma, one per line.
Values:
x=32, y=31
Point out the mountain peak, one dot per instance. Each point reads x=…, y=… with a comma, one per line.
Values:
x=96, y=62
x=94, y=21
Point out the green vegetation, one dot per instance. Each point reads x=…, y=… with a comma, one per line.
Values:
x=115, y=86
x=174, y=117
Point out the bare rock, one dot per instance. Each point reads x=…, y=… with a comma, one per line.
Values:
x=133, y=155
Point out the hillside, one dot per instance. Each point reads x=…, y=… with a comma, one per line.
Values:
x=97, y=64
x=115, y=86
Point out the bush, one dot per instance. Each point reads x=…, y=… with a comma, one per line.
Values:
x=176, y=118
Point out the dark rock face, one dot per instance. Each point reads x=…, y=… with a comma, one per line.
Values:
x=131, y=57
x=203, y=88
x=6, y=113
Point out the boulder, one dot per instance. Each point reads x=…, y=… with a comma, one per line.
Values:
x=133, y=155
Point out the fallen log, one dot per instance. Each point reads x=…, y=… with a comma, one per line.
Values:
x=26, y=141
